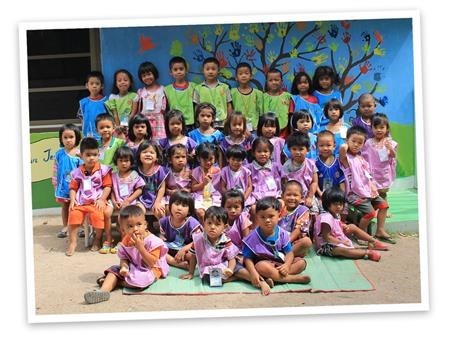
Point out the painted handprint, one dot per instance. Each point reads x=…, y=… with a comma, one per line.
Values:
x=333, y=31
x=365, y=67
x=250, y=55
x=346, y=37
x=236, y=49
x=198, y=55
x=221, y=58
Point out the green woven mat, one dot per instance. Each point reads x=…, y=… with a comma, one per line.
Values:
x=327, y=275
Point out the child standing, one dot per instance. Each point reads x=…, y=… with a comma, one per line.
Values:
x=331, y=235
x=89, y=189
x=236, y=134
x=303, y=98
x=269, y=127
x=176, y=133
x=205, y=114
x=366, y=109
x=301, y=169
x=66, y=160
x=234, y=175
x=93, y=105
x=245, y=98
x=179, y=94
x=381, y=152
x=359, y=185
x=334, y=112
x=139, y=130
x=122, y=103
x=149, y=159
x=268, y=251
x=266, y=175
x=142, y=258
x=177, y=229
x=108, y=144
x=152, y=100
x=277, y=100
x=324, y=82
x=295, y=218
x=211, y=90
x=206, y=180
x=328, y=170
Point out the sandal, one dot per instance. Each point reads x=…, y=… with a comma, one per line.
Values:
x=372, y=255
x=96, y=296
x=106, y=248
x=100, y=280
x=81, y=233
x=377, y=245
x=114, y=249
x=62, y=234
x=388, y=239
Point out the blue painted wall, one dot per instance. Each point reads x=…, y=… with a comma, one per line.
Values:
x=387, y=42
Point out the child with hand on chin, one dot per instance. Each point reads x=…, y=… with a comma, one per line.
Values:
x=268, y=251
x=142, y=258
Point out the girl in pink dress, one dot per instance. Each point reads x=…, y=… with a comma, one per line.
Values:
x=269, y=127
x=152, y=100
x=331, y=235
x=381, y=152
x=179, y=177
x=142, y=258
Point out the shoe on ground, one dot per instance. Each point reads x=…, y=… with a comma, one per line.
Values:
x=373, y=255
x=96, y=296
x=377, y=245
x=81, y=233
x=62, y=234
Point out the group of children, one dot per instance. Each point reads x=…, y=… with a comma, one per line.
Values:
x=240, y=182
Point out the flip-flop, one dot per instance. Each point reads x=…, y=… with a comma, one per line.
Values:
x=100, y=280
x=96, y=296
x=386, y=239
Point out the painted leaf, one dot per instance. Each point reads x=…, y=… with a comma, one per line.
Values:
x=145, y=43
x=253, y=28
x=234, y=33
x=319, y=59
x=365, y=48
x=334, y=46
x=218, y=30
x=293, y=53
x=301, y=25
x=271, y=56
x=356, y=87
x=294, y=41
x=226, y=73
x=281, y=29
x=379, y=51
x=176, y=48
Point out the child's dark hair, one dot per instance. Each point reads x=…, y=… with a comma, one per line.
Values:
x=233, y=193
x=71, y=127
x=366, y=96
x=115, y=89
x=268, y=119
x=243, y=65
x=324, y=71
x=172, y=150
x=123, y=152
x=211, y=60
x=217, y=213
x=184, y=198
x=148, y=67
x=356, y=130
x=326, y=133
x=104, y=117
x=261, y=140
x=204, y=150
x=296, y=81
x=139, y=119
x=379, y=118
x=130, y=211
x=236, y=151
x=96, y=74
x=273, y=71
x=332, y=195
x=174, y=114
x=333, y=104
x=300, y=115
x=88, y=143
x=298, y=139
x=202, y=106
x=235, y=115
x=145, y=145
x=268, y=202
x=290, y=183
x=177, y=59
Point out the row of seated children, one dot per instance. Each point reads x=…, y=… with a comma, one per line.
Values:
x=260, y=178
x=154, y=100
x=268, y=251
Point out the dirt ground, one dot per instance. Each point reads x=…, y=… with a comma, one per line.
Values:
x=60, y=281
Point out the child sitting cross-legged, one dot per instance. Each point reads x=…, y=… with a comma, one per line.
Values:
x=142, y=258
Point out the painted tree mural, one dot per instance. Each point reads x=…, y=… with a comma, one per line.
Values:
x=293, y=47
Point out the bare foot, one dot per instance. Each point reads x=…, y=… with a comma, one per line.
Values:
x=270, y=282
x=95, y=248
x=265, y=288
x=71, y=249
x=186, y=276
x=304, y=279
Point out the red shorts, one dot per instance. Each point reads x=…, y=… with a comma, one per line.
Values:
x=96, y=217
